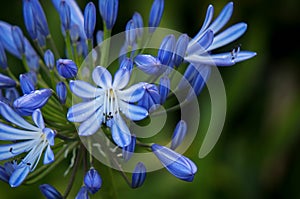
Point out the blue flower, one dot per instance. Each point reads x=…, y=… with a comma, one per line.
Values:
x=178, y=165
x=104, y=104
x=138, y=175
x=89, y=20
x=109, y=10
x=6, y=82
x=26, y=104
x=50, y=192
x=92, y=181
x=208, y=39
x=32, y=140
x=66, y=68
x=179, y=134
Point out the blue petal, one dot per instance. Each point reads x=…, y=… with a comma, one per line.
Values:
x=148, y=64
x=49, y=155
x=128, y=150
x=177, y=164
x=38, y=119
x=133, y=112
x=10, y=150
x=50, y=135
x=92, y=181
x=83, y=193
x=14, y=118
x=200, y=80
x=208, y=18
x=12, y=134
x=179, y=134
x=102, y=77
x=138, y=175
x=151, y=98
x=223, y=18
x=156, y=12
x=82, y=111
x=19, y=175
x=50, y=192
x=6, y=82
x=166, y=49
x=164, y=88
x=84, y=89
x=91, y=125
x=228, y=35
x=120, y=132
x=180, y=49
x=89, y=20
x=133, y=93
x=200, y=45
x=121, y=78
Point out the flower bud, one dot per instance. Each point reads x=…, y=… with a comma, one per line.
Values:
x=99, y=37
x=128, y=150
x=3, y=58
x=164, y=88
x=151, y=97
x=50, y=192
x=130, y=33
x=83, y=193
x=61, y=91
x=178, y=165
x=156, y=12
x=180, y=49
x=26, y=84
x=179, y=134
x=18, y=38
x=127, y=63
x=109, y=10
x=148, y=64
x=49, y=59
x=92, y=181
x=138, y=23
x=166, y=48
x=138, y=175
x=6, y=82
x=66, y=68
x=89, y=20
x=65, y=15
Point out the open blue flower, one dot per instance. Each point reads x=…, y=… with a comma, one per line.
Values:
x=104, y=104
x=33, y=140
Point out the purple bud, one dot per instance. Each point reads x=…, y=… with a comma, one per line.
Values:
x=26, y=84
x=50, y=192
x=92, y=181
x=89, y=20
x=61, y=91
x=6, y=82
x=49, y=59
x=178, y=165
x=156, y=12
x=26, y=104
x=66, y=68
x=179, y=134
x=138, y=175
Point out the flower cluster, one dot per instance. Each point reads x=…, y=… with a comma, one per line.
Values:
x=50, y=106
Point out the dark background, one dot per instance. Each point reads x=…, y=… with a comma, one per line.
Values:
x=257, y=155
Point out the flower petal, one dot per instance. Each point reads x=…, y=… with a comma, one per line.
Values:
x=84, y=89
x=12, y=134
x=133, y=112
x=120, y=132
x=91, y=125
x=133, y=93
x=49, y=155
x=10, y=150
x=148, y=64
x=102, y=77
x=38, y=119
x=223, y=18
x=19, y=175
x=121, y=78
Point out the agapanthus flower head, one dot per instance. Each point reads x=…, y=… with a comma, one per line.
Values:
x=105, y=104
x=92, y=181
x=50, y=192
x=32, y=139
x=28, y=103
x=178, y=165
x=66, y=68
x=138, y=175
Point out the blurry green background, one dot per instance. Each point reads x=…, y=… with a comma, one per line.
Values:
x=257, y=155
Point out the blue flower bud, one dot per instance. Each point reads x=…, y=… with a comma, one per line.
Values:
x=151, y=98
x=74, y=33
x=26, y=104
x=50, y=192
x=3, y=58
x=127, y=63
x=130, y=33
x=164, y=88
x=40, y=18
x=138, y=23
x=138, y=175
x=66, y=68
x=148, y=64
x=128, y=150
x=11, y=94
x=166, y=48
x=109, y=10
x=92, y=181
x=89, y=20
x=99, y=37
x=18, y=38
x=179, y=134
x=65, y=15
x=6, y=82
x=61, y=91
x=156, y=12
x=180, y=49
x=26, y=84
x=178, y=165
x=29, y=19
x=83, y=193
x=49, y=59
